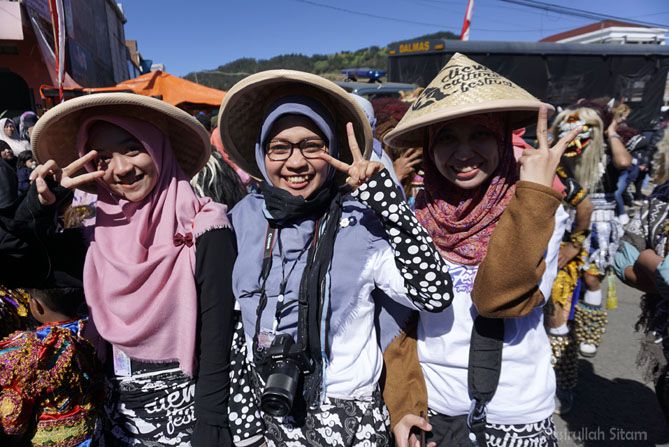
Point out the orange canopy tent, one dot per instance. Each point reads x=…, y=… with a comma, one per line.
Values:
x=171, y=89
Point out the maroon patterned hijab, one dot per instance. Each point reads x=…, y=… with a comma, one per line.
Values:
x=461, y=221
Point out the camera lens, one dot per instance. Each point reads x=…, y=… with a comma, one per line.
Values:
x=277, y=399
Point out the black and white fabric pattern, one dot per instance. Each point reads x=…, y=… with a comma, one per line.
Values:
x=540, y=434
x=425, y=273
x=338, y=422
x=648, y=227
x=246, y=423
x=154, y=409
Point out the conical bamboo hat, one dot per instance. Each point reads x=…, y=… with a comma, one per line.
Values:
x=245, y=104
x=464, y=87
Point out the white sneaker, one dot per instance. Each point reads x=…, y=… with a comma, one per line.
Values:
x=624, y=219
x=587, y=349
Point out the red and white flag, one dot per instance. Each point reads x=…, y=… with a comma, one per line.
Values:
x=58, y=22
x=464, y=35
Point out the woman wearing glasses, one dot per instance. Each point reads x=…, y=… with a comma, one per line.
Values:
x=317, y=263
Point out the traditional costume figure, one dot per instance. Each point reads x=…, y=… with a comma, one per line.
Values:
x=317, y=264
x=50, y=385
x=571, y=260
x=641, y=261
x=157, y=275
x=595, y=166
x=480, y=371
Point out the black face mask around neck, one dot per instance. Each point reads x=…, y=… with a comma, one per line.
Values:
x=284, y=207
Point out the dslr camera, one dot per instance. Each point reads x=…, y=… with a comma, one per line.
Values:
x=286, y=361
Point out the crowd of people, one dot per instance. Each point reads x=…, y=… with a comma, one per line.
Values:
x=310, y=268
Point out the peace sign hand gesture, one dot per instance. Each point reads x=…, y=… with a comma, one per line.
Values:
x=361, y=170
x=539, y=165
x=62, y=176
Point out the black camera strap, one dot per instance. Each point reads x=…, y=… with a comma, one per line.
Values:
x=271, y=238
x=313, y=300
x=483, y=371
x=268, y=247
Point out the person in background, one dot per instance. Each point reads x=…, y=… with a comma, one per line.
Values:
x=641, y=262
x=559, y=312
x=642, y=153
x=378, y=154
x=51, y=381
x=219, y=181
x=406, y=163
x=248, y=182
x=7, y=154
x=26, y=123
x=24, y=166
x=10, y=135
x=595, y=160
x=24, y=226
x=558, y=309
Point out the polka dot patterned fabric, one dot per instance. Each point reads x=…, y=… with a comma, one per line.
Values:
x=245, y=420
x=425, y=273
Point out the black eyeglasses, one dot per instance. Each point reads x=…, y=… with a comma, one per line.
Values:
x=280, y=150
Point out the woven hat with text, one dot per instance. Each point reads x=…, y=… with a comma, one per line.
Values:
x=464, y=87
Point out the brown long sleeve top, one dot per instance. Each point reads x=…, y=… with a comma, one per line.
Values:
x=506, y=285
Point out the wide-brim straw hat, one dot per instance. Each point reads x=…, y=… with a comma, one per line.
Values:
x=464, y=87
x=54, y=136
x=246, y=105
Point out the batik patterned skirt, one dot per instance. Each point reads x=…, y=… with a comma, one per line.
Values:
x=338, y=422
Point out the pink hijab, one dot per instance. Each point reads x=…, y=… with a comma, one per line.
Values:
x=461, y=221
x=139, y=270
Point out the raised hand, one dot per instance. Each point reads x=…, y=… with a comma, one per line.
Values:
x=613, y=127
x=63, y=176
x=361, y=170
x=539, y=165
x=405, y=164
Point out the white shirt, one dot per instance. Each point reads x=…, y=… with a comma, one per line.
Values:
x=527, y=381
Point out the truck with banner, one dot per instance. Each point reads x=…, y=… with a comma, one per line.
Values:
x=558, y=73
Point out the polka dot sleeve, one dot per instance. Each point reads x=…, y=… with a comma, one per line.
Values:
x=425, y=274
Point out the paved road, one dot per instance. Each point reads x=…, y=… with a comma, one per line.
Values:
x=613, y=404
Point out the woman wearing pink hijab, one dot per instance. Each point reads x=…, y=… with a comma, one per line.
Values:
x=157, y=275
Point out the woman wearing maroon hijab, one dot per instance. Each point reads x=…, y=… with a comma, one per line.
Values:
x=484, y=375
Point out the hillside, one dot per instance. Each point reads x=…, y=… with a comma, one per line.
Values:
x=327, y=65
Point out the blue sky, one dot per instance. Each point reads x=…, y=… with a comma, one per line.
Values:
x=203, y=34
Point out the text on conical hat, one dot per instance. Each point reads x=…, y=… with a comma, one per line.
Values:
x=459, y=79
